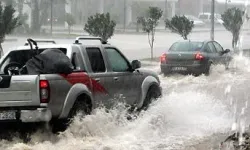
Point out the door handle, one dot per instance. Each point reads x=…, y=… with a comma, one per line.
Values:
x=116, y=78
x=97, y=79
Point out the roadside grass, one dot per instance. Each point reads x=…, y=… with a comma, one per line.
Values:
x=155, y=59
x=147, y=62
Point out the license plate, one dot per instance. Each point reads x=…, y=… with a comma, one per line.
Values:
x=7, y=115
x=179, y=68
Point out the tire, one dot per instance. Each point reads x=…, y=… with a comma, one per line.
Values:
x=80, y=105
x=166, y=73
x=59, y=125
x=152, y=94
x=207, y=69
x=227, y=63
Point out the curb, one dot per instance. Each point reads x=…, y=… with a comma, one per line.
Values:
x=10, y=40
x=133, y=31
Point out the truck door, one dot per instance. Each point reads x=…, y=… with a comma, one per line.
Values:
x=102, y=80
x=127, y=83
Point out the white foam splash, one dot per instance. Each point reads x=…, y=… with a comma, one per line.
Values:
x=170, y=123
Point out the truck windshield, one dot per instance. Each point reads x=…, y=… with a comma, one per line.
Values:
x=21, y=57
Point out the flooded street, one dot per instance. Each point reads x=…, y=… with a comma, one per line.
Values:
x=194, y=113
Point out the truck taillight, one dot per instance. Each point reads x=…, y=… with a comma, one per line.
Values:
x=199, y=56
x=44, y=91
x=163, y=58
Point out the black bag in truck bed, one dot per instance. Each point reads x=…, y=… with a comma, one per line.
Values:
x=50, y=61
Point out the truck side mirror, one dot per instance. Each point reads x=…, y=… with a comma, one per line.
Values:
x=136, y=64
x=227, y=50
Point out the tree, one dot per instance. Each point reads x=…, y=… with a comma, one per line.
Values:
x=8, y=22
x=24, y=27
x=20, y=6
x=149, y=24
x=138, y=23
x=232, y=21
x=35, y=17
x=100, y=25
x=9, y=2
x=181, y=25
x=39, y=13
x=69, y=20
x=23, y=17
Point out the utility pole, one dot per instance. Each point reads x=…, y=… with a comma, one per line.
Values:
x=212, y=20
x=179, y=5
x=125, y=15
x=202, y=6
x=51, y=17
x=166, y=9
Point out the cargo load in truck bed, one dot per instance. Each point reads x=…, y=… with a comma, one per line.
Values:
x=48, y=62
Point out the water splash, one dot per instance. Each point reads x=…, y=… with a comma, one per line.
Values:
x=239, y=125
x=182, y=117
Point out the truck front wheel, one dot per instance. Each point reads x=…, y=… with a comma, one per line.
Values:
x=153, y=93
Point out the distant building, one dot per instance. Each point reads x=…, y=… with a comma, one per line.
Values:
x=58, y=8
x=127, y=11
x=121, y=10
x=194, y=7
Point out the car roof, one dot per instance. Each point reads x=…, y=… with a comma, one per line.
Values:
x=205, y=13
x=209, y=14
x=194, y=40
x=192, y=17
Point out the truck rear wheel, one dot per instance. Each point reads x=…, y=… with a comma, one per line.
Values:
x=152, y=94
x=82, y=105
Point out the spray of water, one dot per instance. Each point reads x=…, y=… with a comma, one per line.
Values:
x=189, y=111
x=239, y=125
x=170, y=123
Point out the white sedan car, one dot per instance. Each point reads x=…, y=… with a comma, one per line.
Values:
x=197, y=22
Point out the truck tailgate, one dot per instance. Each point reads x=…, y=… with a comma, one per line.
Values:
x=19, y=91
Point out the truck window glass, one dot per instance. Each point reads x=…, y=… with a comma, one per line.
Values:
x=117, y=61
x=96, y=60
x=76, y=62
